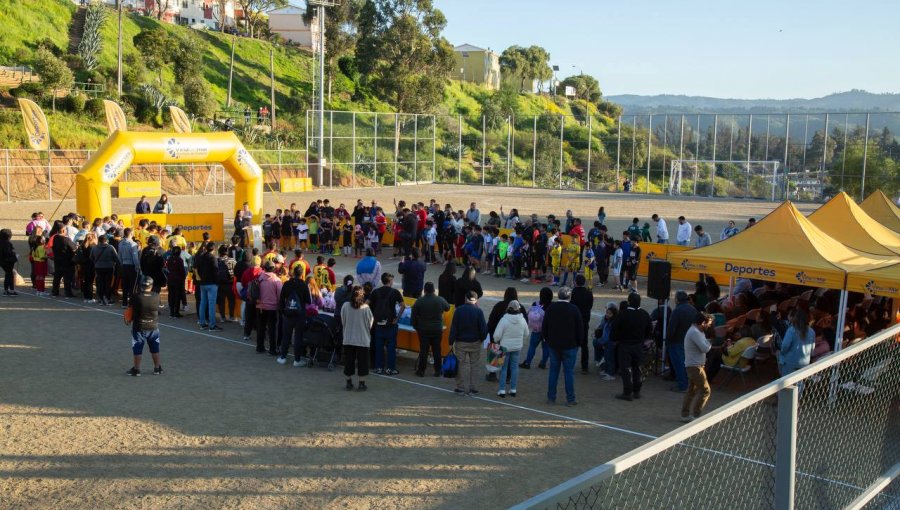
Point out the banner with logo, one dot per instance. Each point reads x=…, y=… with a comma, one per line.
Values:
x=742, y=268
x=115, y=117
x=880, y=282
x=137, y=189
x=36, y=127
x=192, y=225
x=180, y=121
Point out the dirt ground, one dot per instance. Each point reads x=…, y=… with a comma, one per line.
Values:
x=227, y=428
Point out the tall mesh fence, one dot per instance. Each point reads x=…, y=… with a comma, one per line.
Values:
x=847, y=426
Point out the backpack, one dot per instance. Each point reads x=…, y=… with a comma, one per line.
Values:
x=535, y=318
x=223, y=275
x=293, y=306
x=253, y=291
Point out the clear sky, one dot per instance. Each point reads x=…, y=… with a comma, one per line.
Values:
x=722, y=48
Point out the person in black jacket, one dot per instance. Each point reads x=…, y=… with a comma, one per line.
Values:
x=679, y=323
x=563, y=332
x=413, y=271
x=292, y=303
x=631, y=328
x=584, y=300
x=8, y=260
x=63, y=267
x=467, y=282
x=447, y=283
x=152, y=263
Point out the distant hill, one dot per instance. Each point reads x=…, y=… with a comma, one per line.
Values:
x=852, y=101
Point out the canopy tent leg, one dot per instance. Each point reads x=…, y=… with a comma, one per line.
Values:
x=838, y=340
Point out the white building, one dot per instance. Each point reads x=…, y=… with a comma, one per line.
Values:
x=288, y=23
x=207, y=12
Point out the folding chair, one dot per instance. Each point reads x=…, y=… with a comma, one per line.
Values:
x=748, y=355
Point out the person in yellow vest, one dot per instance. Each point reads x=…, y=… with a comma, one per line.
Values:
x=555, y=262
x=178, y=239
x=140, y=232
x=298, y=260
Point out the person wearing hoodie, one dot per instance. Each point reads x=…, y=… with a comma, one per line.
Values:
x=511, y=333
x=368, y=269
x=269, y=294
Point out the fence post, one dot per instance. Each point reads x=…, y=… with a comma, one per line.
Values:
x=786, y=448
x=280, y=172
x=396, y=147
x=353, y=163
x=375, y=158
x=711, y=192
x=619, y=152
x=8, y=189
x=508, y=148
x=534, y=155
x=787, y=145
x=50, y=171
x=483, y=145
x=633, y=147
x=416, y=148
x=331, y=150
x=434, y=148
x=459, y=151
x=697, y=155
x=862, y=187
x=649, y=150
x=562, y=123
x=590, y=142
x=749, y=146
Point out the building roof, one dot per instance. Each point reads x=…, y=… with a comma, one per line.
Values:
x=468, y=47
x=291, y=10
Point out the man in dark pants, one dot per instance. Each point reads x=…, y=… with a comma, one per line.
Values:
x=292, y=306
x=631, y=328
x=63, y=268
x=583, y=299
x=130, y=258
x=562, y=330
x=387, y=308
x=679, y=323
x=427, y=318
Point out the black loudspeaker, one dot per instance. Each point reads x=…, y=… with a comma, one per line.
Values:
x=659, y=279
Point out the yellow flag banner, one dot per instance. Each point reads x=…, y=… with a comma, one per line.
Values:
x=35, y=125
x=115, y=117
x=180, y=120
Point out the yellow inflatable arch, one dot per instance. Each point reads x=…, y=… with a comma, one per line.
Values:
x=93, y=198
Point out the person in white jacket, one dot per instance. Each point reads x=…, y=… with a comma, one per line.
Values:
x=511, y=333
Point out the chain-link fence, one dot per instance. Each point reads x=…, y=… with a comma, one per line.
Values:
x=50, y=175
x=826, y=436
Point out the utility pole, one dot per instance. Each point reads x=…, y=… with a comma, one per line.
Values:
x=321, y=106
x=231, y=71
x=119, y=50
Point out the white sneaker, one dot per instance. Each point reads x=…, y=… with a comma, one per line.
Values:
x=501, y=393
x=242, y=323
x=301, y=362
x=608, y=377
x=598, y=364
x=687, y=419
x=281, y=360
x=524, y=280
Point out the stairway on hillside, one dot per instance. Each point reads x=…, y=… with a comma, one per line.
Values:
x=76, y=29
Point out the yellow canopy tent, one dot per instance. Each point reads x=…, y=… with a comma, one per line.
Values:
x=879, y=282
x=846, y=222
x=782, y=247
x=880, y=208
x=785, y=247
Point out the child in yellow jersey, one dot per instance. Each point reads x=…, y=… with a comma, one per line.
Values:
x=39, y=259
x=555, y=261
x=572, y=256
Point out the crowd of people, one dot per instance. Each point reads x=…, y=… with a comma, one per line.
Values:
x=274, y=292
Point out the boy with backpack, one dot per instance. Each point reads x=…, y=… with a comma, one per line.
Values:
x=292, y=303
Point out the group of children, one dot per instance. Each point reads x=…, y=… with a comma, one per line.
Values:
x=328, y=235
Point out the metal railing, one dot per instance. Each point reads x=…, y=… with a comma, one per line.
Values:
x=27, y=174
x=825, y=436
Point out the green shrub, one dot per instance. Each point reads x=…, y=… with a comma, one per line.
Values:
x=94, y=107
x=198, y=98
x=30, y=90
x=73, y=103
x=54, y=72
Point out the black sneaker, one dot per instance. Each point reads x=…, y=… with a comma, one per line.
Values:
x=157, y=370
x=362, y=386
x=525, y=366
x=216, y=328
x=623, y=396
x=133, y=372
x=204, y=326
x=473, y=391
x=349, y=386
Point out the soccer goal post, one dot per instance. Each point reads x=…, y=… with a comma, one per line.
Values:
x=725, y=178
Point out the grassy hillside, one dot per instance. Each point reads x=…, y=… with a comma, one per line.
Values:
x=24, y=22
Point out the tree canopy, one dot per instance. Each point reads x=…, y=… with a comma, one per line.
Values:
x=526, y=64
x=401, y=55
x=586, y=87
